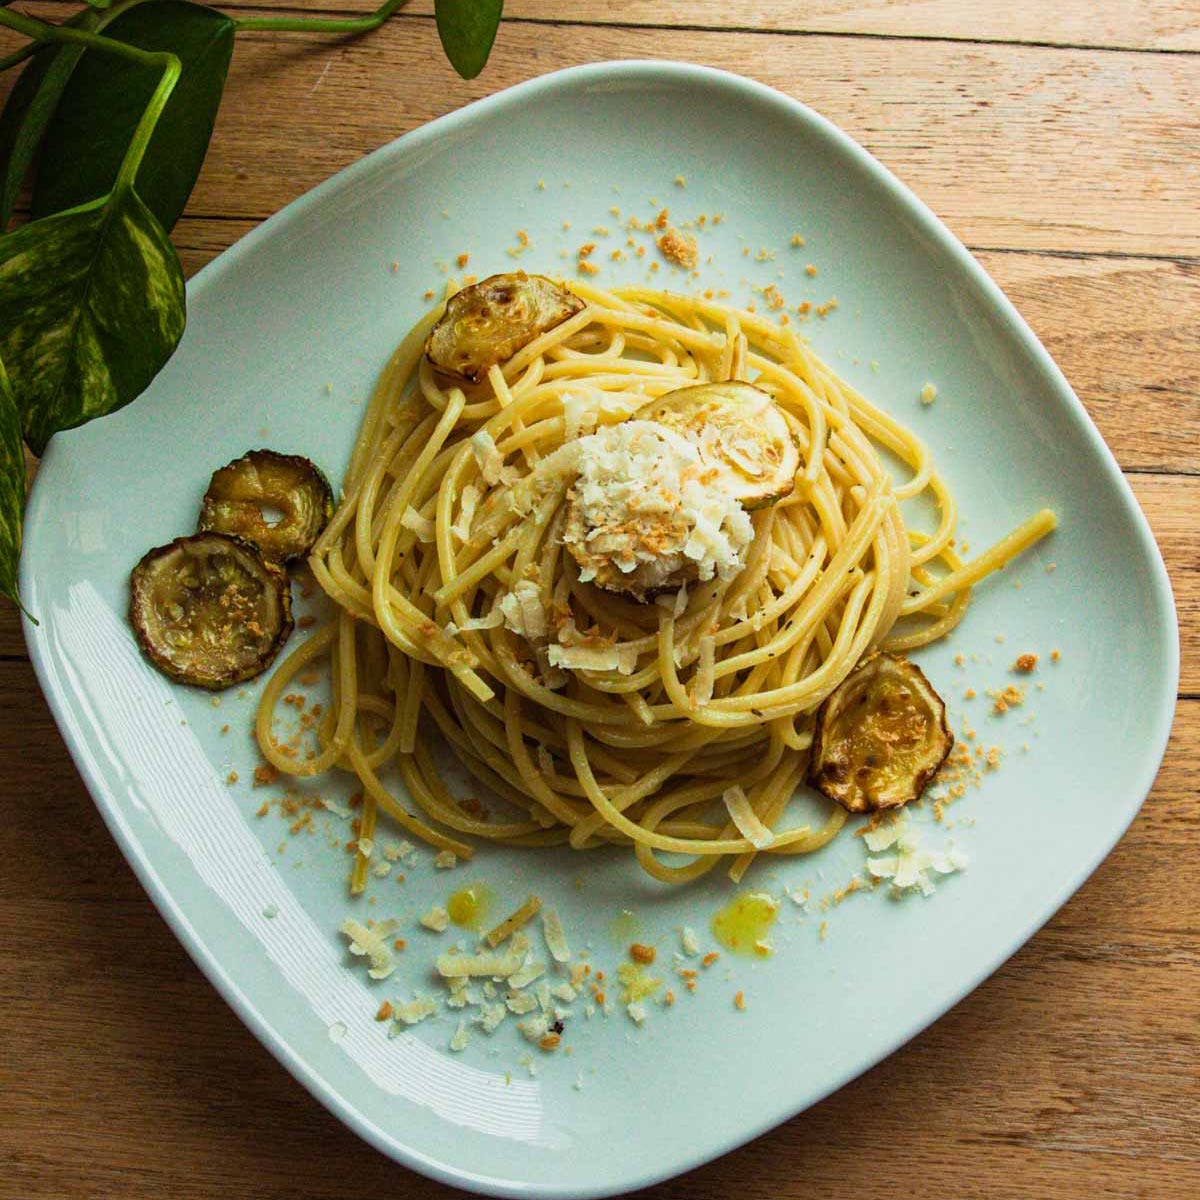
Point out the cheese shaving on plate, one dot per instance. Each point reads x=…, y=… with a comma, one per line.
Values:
x=556, y=938
x=909, y=867
x=372, y=943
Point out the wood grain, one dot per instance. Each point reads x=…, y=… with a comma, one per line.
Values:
x=1148, y=25
x=1013, y=146
x=1060, y=141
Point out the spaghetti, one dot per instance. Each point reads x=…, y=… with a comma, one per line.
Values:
x=680, y=725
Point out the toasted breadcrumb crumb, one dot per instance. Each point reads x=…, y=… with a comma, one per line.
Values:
x=679, y=248
x=739, y=1001
x=385, y=1011
x=232, y=777
x=643, y=954
x=1010, y=697
x=265, y=775
x=1026, y=663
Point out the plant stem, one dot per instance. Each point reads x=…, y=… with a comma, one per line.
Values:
x=40, y=32
x=321, y=24
x=19, y=56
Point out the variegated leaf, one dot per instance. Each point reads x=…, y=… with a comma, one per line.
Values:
x=12, y=488
x=91, y=308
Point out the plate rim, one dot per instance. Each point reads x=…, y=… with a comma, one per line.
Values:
x=1158, y=586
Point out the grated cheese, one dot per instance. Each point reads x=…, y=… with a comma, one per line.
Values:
x=470, y=501
x=414, y=1012
x=488, y=963
x=742, y=814
x=423, y=527
x=642, y=514
x=437, y=918
x=556, y=938
x=490, y=460
x=522, y=611
x=372, y=943
x=909, y=867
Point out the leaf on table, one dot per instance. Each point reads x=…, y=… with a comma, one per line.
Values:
x=12, y=489
x=91, y=307
x=30, y=107
x=468, y=29
x=103, y=102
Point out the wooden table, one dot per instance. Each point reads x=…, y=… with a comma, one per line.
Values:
x=1060, y=141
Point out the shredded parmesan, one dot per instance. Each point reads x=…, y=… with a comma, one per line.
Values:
x=485, y=965
x=522, y=611
x=556, y=938
x=470, y=501
x=742, y=814
x=415, y=1011
x=423, y=527
x=909, y=867
x=372, y=943
x=585, y=658
x=437, y=918
x=643, y=514
x=490, y=460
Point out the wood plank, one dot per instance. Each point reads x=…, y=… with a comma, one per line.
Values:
x=1124, y=332
x=1152, y=24
x=1069, y=1072
x=1111, y=24
x=1172, y=507
x=1014, y=146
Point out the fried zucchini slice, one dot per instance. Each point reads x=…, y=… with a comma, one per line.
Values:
x=488, y=322
x=741, y=431
x=243, y=492
x=880, y=736
x=209, y=610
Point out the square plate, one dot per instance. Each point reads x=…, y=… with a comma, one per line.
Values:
x=286, y=334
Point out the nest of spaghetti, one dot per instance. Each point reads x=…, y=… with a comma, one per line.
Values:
x=609, y=676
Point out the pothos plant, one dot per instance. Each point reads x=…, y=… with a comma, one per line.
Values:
x=116, y=105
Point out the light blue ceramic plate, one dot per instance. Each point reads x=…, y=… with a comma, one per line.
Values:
x=286, y=333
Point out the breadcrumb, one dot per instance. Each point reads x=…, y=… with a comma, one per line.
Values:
x=679, y=248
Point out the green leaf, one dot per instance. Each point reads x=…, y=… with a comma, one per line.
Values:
x=12, y=489
x=468, y=29
x=91, y=307
x=105, y=98
x=29, y=108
